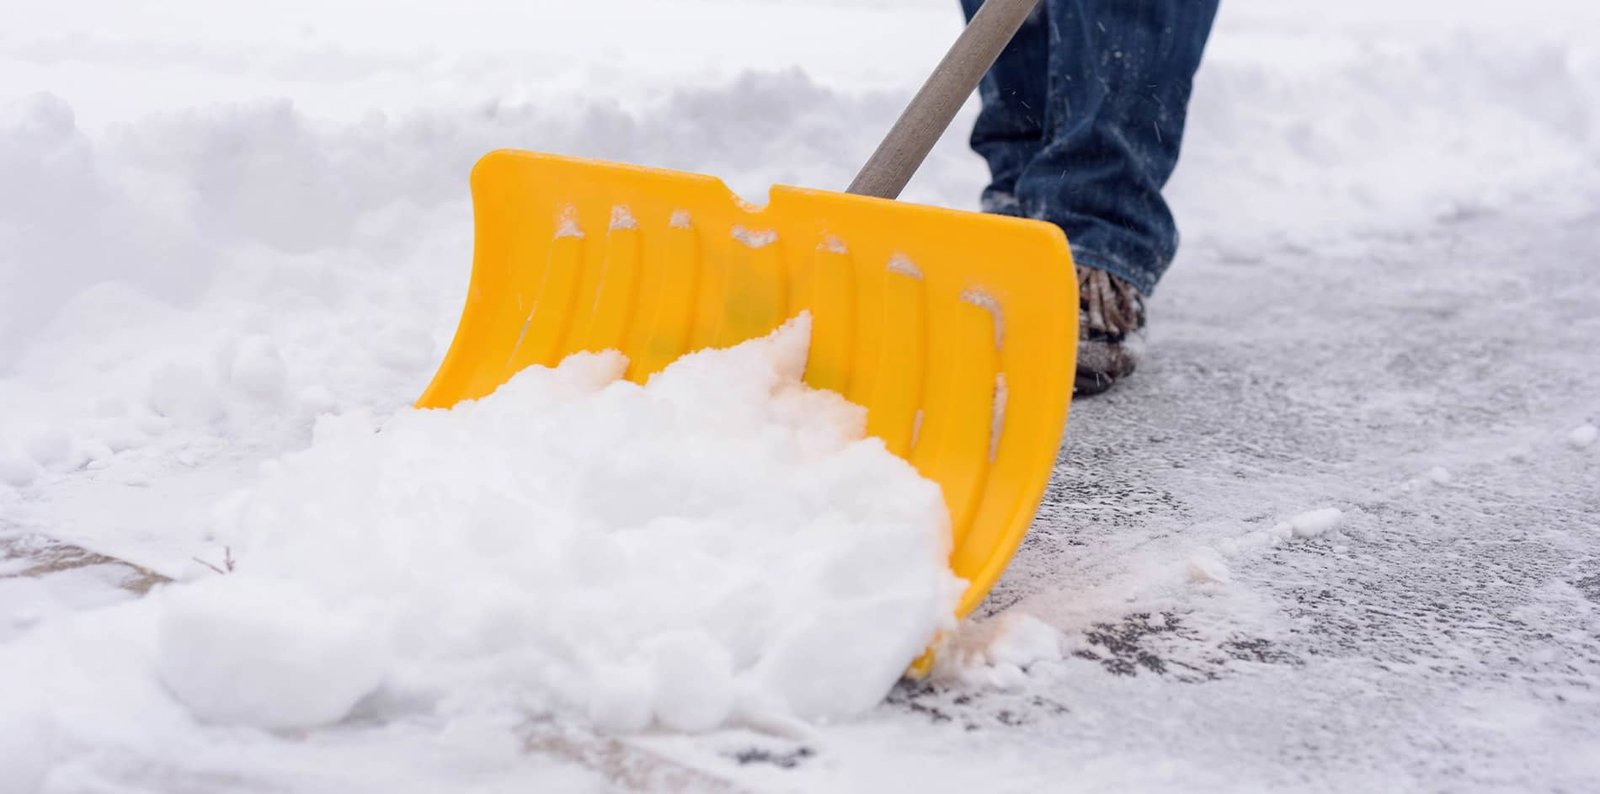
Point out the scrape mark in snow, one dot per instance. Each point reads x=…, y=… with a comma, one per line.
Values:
x=755, y=239
x=983, y=300
x=900, y=263
x=621, y=218
x=567, y=224
x=680, y=220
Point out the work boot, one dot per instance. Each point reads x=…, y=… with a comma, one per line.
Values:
x=1110, y=330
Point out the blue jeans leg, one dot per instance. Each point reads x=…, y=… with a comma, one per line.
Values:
x=1113, y=78
x=1009, y=132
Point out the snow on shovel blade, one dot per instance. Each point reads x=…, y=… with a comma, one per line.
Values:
x=956, y=330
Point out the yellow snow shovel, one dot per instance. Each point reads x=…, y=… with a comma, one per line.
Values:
x=956, y=330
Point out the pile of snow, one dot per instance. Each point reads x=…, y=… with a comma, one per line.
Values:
x=722, y=545
x=720, y=541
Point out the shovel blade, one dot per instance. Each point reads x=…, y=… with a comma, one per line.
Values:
x=957, y=331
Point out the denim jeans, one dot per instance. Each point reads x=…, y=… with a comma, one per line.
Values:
x=1081, y=123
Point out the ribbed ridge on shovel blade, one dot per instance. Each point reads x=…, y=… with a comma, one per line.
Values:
x=957, y=331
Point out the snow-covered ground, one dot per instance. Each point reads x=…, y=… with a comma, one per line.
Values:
x=1342, y=531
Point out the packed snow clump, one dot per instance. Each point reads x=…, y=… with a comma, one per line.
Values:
x=720, y=545
x=997, y=653
x=1313, y=523
x=253, y=651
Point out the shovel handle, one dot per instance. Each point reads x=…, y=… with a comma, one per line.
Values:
x=953, y=80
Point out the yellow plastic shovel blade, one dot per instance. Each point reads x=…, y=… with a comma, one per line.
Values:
x=957, y=331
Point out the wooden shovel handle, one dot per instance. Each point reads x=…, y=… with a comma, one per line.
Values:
x=953, y=80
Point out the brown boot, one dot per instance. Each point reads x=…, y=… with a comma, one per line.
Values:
x=1110, y=330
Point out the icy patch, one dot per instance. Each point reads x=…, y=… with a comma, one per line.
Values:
x=1583, y=435
x=722, y=541
x=755, y=239
x=833, y=245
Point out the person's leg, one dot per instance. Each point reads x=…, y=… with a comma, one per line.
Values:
x=1120, y=75
x=1009, y=132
